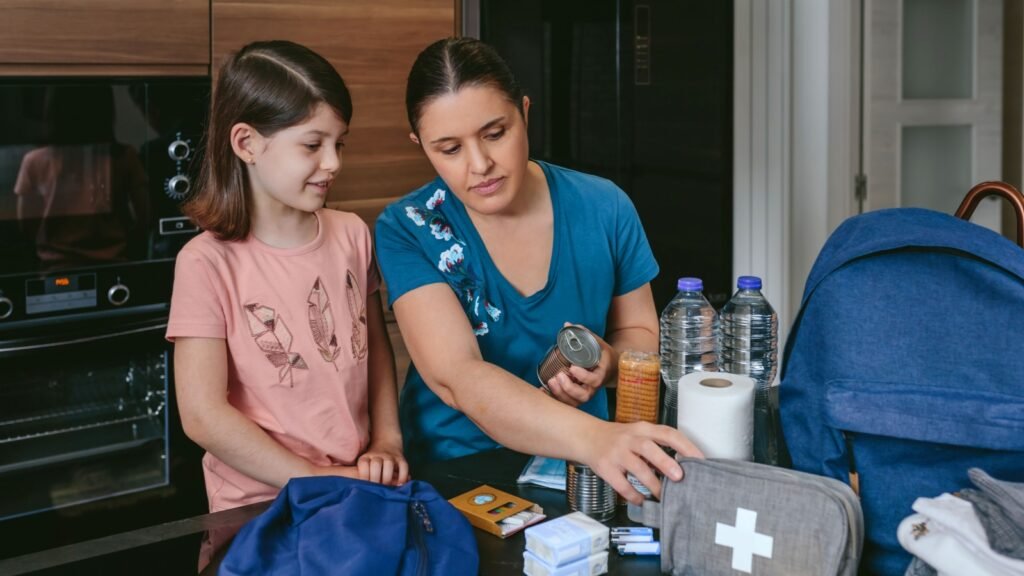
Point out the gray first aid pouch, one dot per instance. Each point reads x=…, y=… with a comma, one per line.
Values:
x=728, y=517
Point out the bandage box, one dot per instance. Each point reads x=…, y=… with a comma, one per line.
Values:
x=592, y=565
x=567, y=538
x=497, y=512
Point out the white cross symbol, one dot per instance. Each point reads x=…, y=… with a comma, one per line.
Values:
x=744, y=540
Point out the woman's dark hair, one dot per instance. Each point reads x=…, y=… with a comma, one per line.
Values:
x=448, y=65
x=270, y=85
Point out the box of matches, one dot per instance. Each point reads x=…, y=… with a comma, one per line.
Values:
x=497, y=512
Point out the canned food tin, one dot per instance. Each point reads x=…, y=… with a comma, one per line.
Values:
x=639, y=486
x=586, y=492
x=575, y=345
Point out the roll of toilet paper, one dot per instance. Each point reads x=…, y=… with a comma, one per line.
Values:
x=716, y=412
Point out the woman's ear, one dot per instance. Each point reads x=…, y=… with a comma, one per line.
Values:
x=415, y=139
x=526, y=110
x=243, y=142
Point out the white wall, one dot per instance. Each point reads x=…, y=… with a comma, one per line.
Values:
x=796, y=137
x=761, y=148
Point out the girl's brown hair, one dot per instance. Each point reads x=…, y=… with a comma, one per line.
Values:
x=270, y=85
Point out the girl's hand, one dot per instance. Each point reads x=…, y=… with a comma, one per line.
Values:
x=339, y=470
x=384, y=463
x=580, y=384
x=615, y=449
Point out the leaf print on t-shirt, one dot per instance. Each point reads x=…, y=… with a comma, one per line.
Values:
x=357, y=306
x=321, y=322
x=275, y=340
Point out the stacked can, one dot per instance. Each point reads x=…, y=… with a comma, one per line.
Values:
x=586, y=492
x=637, y=392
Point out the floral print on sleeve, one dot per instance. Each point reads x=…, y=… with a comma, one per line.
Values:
x=453, y=264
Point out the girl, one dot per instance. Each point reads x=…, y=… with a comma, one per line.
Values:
x=485, y=263
x=283, y=365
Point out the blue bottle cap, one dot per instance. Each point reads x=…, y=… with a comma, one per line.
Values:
x=690, y=284
x=748, y=283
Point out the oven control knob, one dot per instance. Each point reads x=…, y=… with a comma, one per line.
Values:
x=118, y=294
x=6, y=307
x=178, y=150
x=178, y=186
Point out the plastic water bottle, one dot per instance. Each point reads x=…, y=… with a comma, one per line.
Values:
x=749, y=345
x=689, y=335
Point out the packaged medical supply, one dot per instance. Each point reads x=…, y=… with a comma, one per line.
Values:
x=567, y=538
x=593, y=565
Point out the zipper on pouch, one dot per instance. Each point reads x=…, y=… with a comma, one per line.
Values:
x=421, y=524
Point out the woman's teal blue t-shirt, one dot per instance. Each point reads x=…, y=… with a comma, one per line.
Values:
x=599, y=252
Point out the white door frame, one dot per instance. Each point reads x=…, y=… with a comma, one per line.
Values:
x=796, y=138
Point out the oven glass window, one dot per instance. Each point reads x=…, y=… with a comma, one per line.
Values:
x=94, y=172
x=89, y=426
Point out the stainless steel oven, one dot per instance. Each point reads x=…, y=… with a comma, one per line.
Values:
x=92, y=175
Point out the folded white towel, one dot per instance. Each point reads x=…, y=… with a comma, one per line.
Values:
x=947, y=534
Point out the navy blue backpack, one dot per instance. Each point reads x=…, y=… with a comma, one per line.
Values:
x=334, y=525
x=905, y=365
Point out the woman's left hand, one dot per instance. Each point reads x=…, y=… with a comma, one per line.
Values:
x=580, y=384
x=383, y=463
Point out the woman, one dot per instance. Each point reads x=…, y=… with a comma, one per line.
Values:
x=488, y=261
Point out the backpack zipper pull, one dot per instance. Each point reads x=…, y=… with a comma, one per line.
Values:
x=421, y=511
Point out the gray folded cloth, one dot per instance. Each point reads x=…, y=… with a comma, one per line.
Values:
x=1000, y=508
x=919, y=567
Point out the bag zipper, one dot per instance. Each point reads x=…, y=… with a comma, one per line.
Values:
x=422, y=519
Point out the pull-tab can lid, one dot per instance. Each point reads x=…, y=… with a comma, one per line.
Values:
x=579, y=346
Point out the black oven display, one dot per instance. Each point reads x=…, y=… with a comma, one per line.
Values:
x=60, y=293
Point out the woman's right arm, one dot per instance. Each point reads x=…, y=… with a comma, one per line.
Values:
x=201, y=385
x=519, y=415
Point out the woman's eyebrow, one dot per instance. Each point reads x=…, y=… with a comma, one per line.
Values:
x=483, y=128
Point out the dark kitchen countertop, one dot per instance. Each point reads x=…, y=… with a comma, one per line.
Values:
x=171, y=547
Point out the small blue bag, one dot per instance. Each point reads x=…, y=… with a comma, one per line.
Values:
x=335, y=525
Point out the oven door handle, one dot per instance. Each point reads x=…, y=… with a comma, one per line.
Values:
x=79, y=339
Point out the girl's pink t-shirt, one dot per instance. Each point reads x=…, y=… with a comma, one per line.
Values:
x=294, y=321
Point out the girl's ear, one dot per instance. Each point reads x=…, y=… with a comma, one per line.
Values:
x=415, y=139
x=526, y=110
x=243, y=142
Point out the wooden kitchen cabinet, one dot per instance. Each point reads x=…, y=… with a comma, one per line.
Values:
x=104, y=35
x=372, y=43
